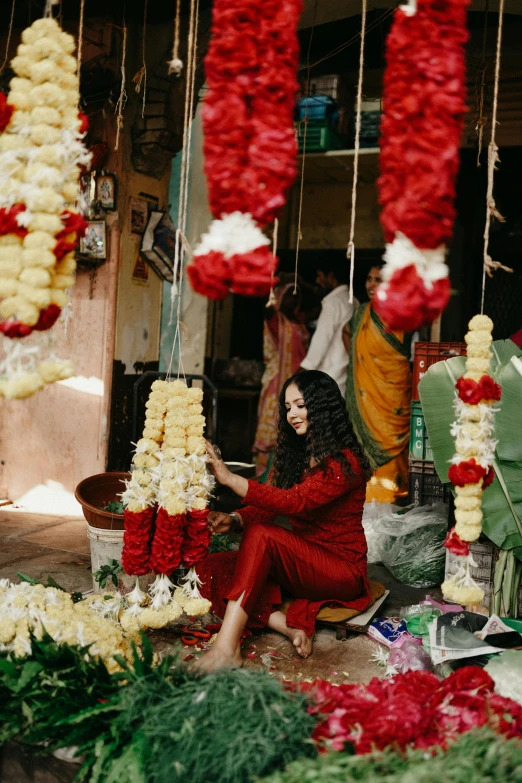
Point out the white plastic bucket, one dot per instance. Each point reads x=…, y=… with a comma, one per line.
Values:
x=107, y=545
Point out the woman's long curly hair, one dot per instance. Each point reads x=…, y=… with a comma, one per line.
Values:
x=329, y=431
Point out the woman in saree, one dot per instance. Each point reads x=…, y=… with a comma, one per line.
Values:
x=378, y=396
x=285, y=343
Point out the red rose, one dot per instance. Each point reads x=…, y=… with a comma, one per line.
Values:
x=252, y=272
x=466, y=472
x=455, y=545
x=469, y=391
x=13, y=329
x=490, y=390
x=210, y=275
x=73, y=223
x=6, y=112
x=8, y=220
x=47, y=318
x=402, y=307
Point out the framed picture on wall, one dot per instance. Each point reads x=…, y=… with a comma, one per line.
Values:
x=106, y=191
x=93, y=244
x=138, y=215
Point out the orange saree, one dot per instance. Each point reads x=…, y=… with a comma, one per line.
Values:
x=378, y=396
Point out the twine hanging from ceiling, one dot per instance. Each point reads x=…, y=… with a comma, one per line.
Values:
x=350, y=250
x=490, y=266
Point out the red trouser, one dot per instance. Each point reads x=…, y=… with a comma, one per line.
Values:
x=271, y=557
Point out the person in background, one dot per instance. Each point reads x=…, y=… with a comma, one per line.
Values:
x=327, y=352
x=378, y=396
x=285, y=342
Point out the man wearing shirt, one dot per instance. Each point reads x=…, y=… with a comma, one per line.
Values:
x=327, y=351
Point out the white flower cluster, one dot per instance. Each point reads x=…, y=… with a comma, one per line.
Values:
x=170, y=463
x=27, y=609
x=233, y=234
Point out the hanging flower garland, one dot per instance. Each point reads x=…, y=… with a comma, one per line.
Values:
x=472, y=466
x=250, y=146
x=41, y=151
x=424, y=106
x=169, y=474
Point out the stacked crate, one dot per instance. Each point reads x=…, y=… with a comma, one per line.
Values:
x=425, y=486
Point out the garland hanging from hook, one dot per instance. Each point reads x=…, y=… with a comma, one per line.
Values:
x=250, y=146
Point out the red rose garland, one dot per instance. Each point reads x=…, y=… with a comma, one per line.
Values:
x=424, y=106
x=196, y=538
x=250, y=147
x=166, y=547
x=139, y=528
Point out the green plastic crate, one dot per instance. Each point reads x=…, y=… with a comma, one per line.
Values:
x=420, y=448
x=319, y=137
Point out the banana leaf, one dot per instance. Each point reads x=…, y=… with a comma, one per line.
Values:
x=502, y=501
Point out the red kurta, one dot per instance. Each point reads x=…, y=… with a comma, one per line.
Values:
x=322, y=560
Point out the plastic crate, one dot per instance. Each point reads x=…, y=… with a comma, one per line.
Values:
x=319, y=137
x=485, y=555
x=425, y=485
x=420, y=448
x=316, y=107
x=427, y=354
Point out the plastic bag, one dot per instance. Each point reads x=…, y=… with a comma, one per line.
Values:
x=412, y=544
x=372, y=514
x=409, y=657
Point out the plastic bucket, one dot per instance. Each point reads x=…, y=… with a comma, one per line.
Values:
x=107, y=545
x=97, y=491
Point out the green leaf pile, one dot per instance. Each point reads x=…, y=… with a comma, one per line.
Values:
x=480, y=756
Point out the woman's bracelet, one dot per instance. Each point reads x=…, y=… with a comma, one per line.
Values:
x=236, y=523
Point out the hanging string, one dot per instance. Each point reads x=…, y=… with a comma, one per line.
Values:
x=122, y=100
x=303, y=159
x=490, y=266
x=182, y=247
x=271, y=296
x=350, y=250
x=175, y=64
x=9, y=33
x=49, y=8
x=482, y=118
x=140, y=78
x=80, y=36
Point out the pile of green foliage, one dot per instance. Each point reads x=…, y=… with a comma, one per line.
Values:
x=152, y=724
x=480, y=756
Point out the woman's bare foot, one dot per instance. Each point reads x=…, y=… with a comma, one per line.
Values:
x=302, y=643
x=217, y=659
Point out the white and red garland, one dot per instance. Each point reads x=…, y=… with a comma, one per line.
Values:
x=250, y=146
x=167, y=497
x=472, y=465
x=41, y=152
x=424, y=106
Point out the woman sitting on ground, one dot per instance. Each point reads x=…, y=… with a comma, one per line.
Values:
x=319, y=482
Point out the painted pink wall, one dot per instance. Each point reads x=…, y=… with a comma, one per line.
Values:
x=61, y=434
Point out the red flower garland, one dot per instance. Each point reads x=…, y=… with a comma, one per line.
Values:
x=250, y=146
x=139, y=528
x=166, y=546
x=424, y=106
x=196, y=538
x=412, y=709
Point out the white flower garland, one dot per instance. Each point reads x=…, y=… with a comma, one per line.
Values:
x=41, y=152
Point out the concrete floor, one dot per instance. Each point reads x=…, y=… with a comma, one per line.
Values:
x=42, y=545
